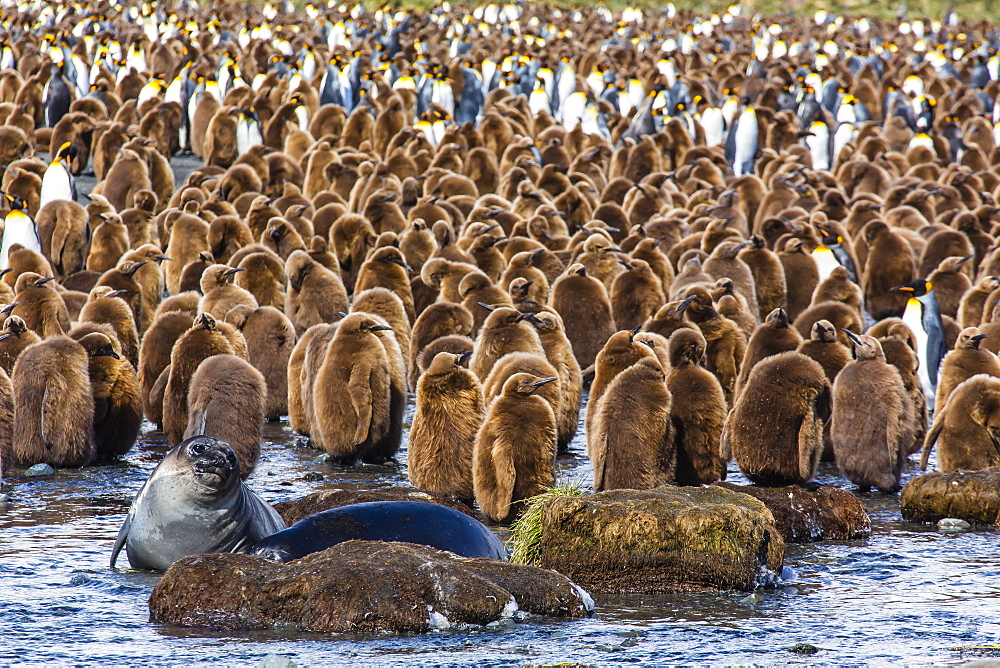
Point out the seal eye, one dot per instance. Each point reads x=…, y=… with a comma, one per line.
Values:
x=197, y=448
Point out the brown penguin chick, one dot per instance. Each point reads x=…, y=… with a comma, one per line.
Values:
x=889, y=264
x=117, y=404
x=514, y=455
x=583, y=304
x=966, y=429
x=619, y=353
x=282, y=238
x=270, y=339
x=771, y=337
x=264, y=278
x=445, y=275
x=697, y=411
x=690, y=274
x=315, y=294
x=528, y=296
x=315, y=355
x=825, y=347
x=870, y=437
x=40, y=306
x=139, y=219
x=503, y=332
x=898, y=351
x=950, y=284
x=188, y=238
x=201, y=341
x=724, y=343
x=768, y=274
x=724, y=262
x=14, y=338
x=123, y=277
x=732, y=307
x=386, y=268
x=437, y=320
x=964, y=362
x=53, y=406
x=6, y=422
x=449, y=412
x=220, y=138
x=191, y=276
x=386, y=447
x=801, y=277
x=351, y=397
x=455, y=344
x=838, y=287
x=971, y=310
x=221, y=296
x=636, y=294
x=559, y=352
x=418, y=244
x=387, y=305
x=105, y=306
x=154, y=357
x=668, y=320
x=476, y=288
x=534, y=363
x=775, y=430
x=186, y=302
x=297, y=417
x=150, y=277
x=600, y=257
x=108, y=243
x=841, y=315
x=226, y=401
x=633, y=445
x=62, y=229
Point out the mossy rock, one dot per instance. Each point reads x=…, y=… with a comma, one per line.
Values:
x=358, y=586
x=973, y=496
x=808, y=515
x=663, y=539
x=297, y=509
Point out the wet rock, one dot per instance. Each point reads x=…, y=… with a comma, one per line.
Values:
x=973, y=496
x=808, y=515
x=803, y=648
x=952, y=524
x=752, y=599
x=358, y=586
x=317, y=502
x=40, y=469
x=663, y=539
x=276, y=661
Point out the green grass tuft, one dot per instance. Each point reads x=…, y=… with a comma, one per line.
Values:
x=526, y=530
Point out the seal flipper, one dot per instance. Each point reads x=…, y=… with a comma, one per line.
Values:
x=120, y=541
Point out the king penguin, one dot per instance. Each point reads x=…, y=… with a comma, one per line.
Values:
x=923, y=317
x=57, y=181
x=741, y=145
x=18, y=228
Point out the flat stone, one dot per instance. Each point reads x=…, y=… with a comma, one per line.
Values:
x=663, y=539
x=317, y=502
x=808, y=515
x=972, y=496
x=359, y=586
x=40, y=469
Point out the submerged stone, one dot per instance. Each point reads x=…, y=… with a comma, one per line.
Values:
x=807, y=515
x=972, y=496
x=40, y=469
x=359, y=586
x=663, y=539
x=317, y=502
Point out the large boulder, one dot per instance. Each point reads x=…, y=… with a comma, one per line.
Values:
x=358, y=586
x=973, y=496
x=808, y=515
x=317, y=502
x=663, y=539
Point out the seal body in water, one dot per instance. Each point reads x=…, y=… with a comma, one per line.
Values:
x=403, y=521
x=194, y=503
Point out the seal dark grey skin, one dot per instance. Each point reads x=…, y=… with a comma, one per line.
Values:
x=403, y=521
x=194, y=503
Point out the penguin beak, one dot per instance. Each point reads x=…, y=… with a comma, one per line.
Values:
x=4, y=337
x=633, y=332
x=116, y=293
x=684, y=304
x=485, y=306
x=341, y=314
x=111, y=353
x=229, y=272
x=543, y=381
x=852, y=336
x=528, y=316
x=901, y=288
x=460, y=359
x=164, y=258
x=42, y=281
x=965, y=259
x=11, y=307
x=381, y=328
x=6, y=271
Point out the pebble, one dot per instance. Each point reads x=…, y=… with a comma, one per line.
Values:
x=953, y=524
x=803, y=648
x=40, y=469
x=312, y=476
x=752, y=599
x=323, y=458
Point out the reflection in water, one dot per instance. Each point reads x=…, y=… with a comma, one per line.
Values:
x=909, y=593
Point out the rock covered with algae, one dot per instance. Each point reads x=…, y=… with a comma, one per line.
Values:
x=805, y=515
x=663, y=539
x=973, y=496
x=359, y=586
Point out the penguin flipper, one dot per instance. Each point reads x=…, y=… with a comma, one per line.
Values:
x=932, y=436
x=120, y=540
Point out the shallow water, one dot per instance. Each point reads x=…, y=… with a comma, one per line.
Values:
x=909, y=594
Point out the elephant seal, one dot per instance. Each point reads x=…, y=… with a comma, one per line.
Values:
x=194, y=503
x=403, y=521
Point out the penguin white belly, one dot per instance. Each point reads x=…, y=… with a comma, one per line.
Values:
x=18, y=229
x=912, y=316
x=56, y=185
x=301, y=117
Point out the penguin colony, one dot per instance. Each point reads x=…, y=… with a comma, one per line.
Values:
x=750, y=238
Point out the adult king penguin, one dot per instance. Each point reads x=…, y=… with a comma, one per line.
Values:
x=923, y=317
x=57, y=181
x=18, y=228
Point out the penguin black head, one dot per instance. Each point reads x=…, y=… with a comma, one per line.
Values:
x=16, y=202
x=917, y=288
